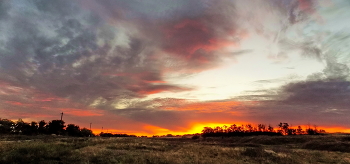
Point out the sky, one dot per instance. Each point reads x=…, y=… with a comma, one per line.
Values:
x=162, y=66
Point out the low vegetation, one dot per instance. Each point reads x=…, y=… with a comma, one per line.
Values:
x=252, y=149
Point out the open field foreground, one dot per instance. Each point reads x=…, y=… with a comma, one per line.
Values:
x=259, y=149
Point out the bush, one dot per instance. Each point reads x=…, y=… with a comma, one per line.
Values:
x=195, y=137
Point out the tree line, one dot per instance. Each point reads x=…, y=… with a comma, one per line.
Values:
x=260, y=129
x=56, y=127
x=115, y=135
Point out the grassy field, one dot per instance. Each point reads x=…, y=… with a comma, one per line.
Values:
x=259, y=149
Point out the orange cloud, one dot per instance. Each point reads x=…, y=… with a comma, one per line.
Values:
x=44, y=97
x=155, y=91
x=306, y=5
x=25, y=116
x=19, y=103
x=155, y=81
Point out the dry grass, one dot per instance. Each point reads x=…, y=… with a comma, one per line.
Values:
x=260, y=149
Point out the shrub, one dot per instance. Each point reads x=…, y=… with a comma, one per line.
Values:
x=195, y=137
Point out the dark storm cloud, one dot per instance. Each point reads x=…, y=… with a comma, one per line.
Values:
x=67, y=50
x=322, y=93
x=137, y=9
x=4, y=7
x=197, y=40
x=191, y=32
x=53, y=47
x=330, y=90
x=322, y=99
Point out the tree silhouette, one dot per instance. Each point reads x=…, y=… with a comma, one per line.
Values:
x=207, y=132
x=240, y=129
x=34, y=128
x=42, y=127
x=120, y=135
x=261, y=128
x=249, y=130
x=310, y=131
x=86, y=133
x=73, y=130
x=22, y=127
x=6, y=126
x=300, y=131
x=270, y=129
x=232, y=128
x=56, y=127
x=291, y=131
x=225, y=129
x=283, y=128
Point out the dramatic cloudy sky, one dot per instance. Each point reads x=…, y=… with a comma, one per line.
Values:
x=166, y=66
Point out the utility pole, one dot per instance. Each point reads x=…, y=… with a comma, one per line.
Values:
x=102, y=129
x=61, y=116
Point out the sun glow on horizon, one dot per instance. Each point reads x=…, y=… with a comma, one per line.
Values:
x=197, y=128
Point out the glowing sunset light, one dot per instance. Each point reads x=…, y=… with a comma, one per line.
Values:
x=174, y=67
x=198, y=127
x=115, y=131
